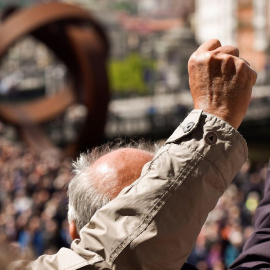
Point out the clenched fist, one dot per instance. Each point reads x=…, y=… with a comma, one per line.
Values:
x=221, y=82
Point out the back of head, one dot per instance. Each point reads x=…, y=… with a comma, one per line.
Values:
x=101, y=174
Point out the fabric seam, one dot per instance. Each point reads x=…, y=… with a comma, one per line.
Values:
x=156, y=207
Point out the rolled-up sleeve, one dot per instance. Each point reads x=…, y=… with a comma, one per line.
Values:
x=154, y=223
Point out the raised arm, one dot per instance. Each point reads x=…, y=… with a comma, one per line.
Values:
x=221, y=82
x=153, y=223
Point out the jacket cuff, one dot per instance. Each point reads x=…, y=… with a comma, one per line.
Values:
x=203, y=132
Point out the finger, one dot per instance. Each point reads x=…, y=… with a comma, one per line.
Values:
x=252, y=72
x=254, y=75
x=228, y=50
x=209, y=45
x=228, y=66
x=245, y=61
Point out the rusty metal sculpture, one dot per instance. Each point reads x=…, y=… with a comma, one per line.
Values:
x=81, y=44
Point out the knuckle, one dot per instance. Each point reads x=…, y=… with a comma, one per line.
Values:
x=192, y=58
x=241, y=64
x=255, y=74
x=206, y=57
x=191, y=61
x=228, y=61
x=228, y=57
x=199, y=60
x=235, y=49
x=216, y=41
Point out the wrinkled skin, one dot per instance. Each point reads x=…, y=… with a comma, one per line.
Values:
x=221, y=82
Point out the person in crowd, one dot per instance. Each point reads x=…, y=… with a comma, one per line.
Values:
x=153, y=223
x=99, y=179
x=255, y=254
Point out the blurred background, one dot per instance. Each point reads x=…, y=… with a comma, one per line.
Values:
x=151, y=42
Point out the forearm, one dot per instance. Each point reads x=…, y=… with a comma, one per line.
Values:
x=154, y=223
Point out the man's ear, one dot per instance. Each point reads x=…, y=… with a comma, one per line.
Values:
x=73, y=231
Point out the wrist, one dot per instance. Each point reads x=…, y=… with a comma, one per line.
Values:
x=224, y=113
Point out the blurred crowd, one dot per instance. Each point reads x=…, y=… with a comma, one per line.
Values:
x=33, y=207
x=33, y=200
x=231, y=222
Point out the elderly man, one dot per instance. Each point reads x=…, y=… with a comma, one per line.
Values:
x=100, y=176
x=153, y=223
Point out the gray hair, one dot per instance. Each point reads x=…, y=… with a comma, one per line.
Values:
x=84, y=199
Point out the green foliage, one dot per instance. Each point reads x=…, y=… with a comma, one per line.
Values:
x=126, y=6
x=127, y=75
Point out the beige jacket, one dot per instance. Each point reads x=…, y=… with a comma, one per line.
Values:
x=153, y=223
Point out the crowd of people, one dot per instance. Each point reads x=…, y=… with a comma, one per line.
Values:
x=33, y=205
x=33, y=199
x=231, y=222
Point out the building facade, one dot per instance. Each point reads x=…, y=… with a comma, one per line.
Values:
x=243, y=23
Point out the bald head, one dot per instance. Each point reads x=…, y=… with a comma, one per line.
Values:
x=118, y=169
x=99, y=177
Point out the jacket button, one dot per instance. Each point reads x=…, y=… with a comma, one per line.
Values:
x=188, y=127
x=210, y=138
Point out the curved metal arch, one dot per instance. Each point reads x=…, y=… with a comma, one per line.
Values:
x=81, y=43
x=26, y=21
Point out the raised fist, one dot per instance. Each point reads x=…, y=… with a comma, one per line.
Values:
x=221, y=82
